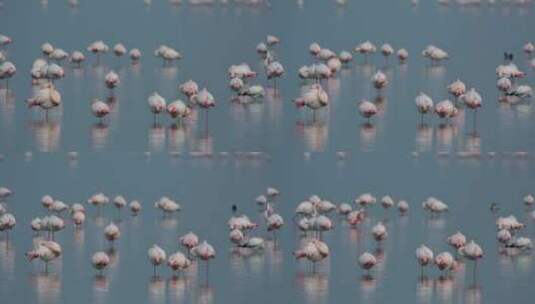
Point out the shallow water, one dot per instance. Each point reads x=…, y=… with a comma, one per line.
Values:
x=380, y=158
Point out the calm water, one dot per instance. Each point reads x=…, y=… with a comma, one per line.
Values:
x=379, y=159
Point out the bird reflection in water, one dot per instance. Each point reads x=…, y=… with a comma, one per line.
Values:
x=445, y=134
x=368, y=134
x=315, y=134
x=424, y=289
x=7, y=106
x=315, y=286
x=157, y=290
x=101, y=286
x=368, y=284
x=47, y=287
x=47, y=134
x=445, y=287
x=157, y=137
x=7, y=257
x=99, y=135
x=205, y=294
x=177, y=135
x=424, y=137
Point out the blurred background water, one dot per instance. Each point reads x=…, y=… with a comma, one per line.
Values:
x=395, y=155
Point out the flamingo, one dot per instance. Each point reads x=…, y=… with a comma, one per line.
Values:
x=345, y=57
x=272, y=40
x=135, y=55
x=135, y=207
x=403, y=206
x=156, y=257
x=189, y=88
x=366, y=48
x=314, y=98
x=47, y=201
x=386, y=51
x=379, y=232
x=47, y=49
x=445, y=261
x=99, y=108
x=52, y=224
x=119, y=202
x=424, y=255
x=379, y=80
x=168, y=54
x=167, y=205
x=528, y=48
x=434, y=205
x=344, y=209
x=46, y=98
x=189, y=240
x=314, y=251
x=457, y=89
x=204, y=99
x=58, y=55
x=178, y=109
x=112, y=233
x=98, y=200
x=98, y=48
x=77, y=58
x=112, y=80
x=254, y=243
x=367, y=109
x=445, y=109
x=472, y=251
x=274, y=70
x=100, y=260
x=274, y=223
x=46, y=251
x=5, y=41
x=457, y=240
x=7, y=223
x=7, y=70
x=314, y=49
x=403, y=55
x=5, y=193
x=157, y=104
x=435, y=54
x=78, y=218
x=367, y=261
x=387, y=202
x=205, y=252
x=528, y=200
x=424, y=104
x=36, y=225
x=178, y=262
x=119, y=50
x=504, y=236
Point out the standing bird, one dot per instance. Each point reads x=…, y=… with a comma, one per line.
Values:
x=100, y=260
x=204, y=99
x=189, y=240
x=178, y=262
x=119, y=202
x=314, y=98
x=366, y=48
x=5, y=41
x=5, y=193
x=379, y=80
x=446, y=109
x=98, y=48
x=386, y=51
x=274, y=223
x=7, y=223
x=77, y=58
x=112, y=81
x=424, y=255
x=112, y=233
x=314, y=251
x=189, y=88
x=100, y=109
x=472, y=251
x=47, y=49
x=457, y=89
x=403, y=207
x=274, y=70
x=178, y=109
x=379, y=232
x=157, y=104
x=119, y=50
x=457, y=240
x=205, y=252
x=135, y=207
x=47, y=98
x=367, y=109
x=7, y=70
x=46, y=251
x=445, y=261
x=367, y=261
x=156, y=257
x=424, y=104
x=403, y=55
x=135, y=55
